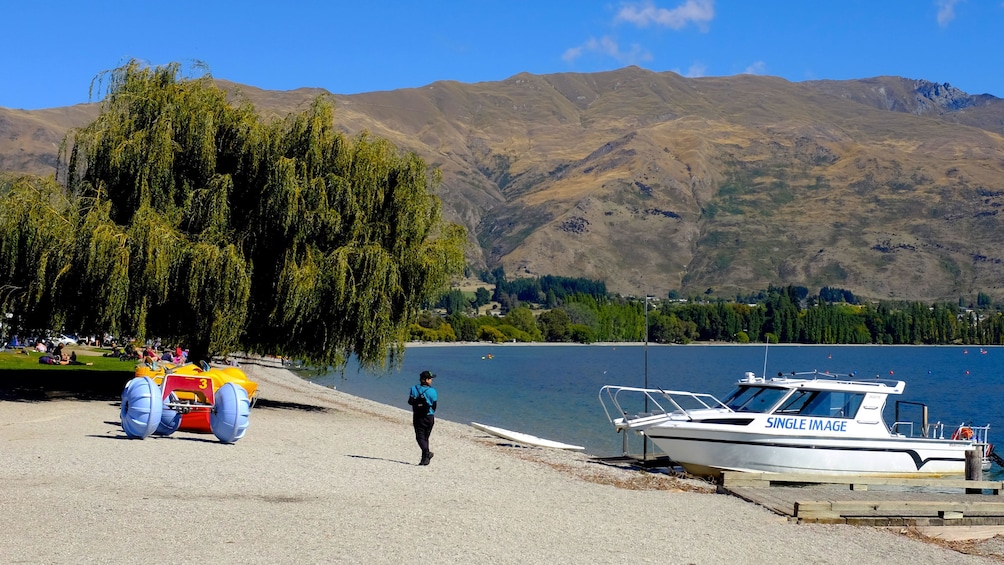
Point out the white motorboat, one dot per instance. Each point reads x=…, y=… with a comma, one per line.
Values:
x=812, y=423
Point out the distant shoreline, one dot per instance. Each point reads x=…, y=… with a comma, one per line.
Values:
x=416, y=344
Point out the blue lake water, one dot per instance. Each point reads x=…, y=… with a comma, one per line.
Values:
x=552, y=391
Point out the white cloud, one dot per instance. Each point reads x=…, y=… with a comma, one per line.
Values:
x=757, y=68
x=643, y=14
x=946, y=11
x=608, y=46
x=571, y=54
x=698, y=69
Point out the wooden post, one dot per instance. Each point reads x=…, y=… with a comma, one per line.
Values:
x=974, y=469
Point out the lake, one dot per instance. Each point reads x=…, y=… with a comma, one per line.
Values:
x=551, y=391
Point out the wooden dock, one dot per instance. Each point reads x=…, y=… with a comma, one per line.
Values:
x=874, y=501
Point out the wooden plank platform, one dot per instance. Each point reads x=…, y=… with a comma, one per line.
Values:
x=736, y=478
x=882, y=502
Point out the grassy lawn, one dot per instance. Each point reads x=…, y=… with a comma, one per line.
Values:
x=10, y=359
x=23, y=378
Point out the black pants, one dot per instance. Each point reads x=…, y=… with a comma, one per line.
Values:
x=423, y=429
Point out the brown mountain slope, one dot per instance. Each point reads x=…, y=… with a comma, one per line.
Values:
x=888, y=187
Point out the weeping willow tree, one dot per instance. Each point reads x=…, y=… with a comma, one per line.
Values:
x=186, y=216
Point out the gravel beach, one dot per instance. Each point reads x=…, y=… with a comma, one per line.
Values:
x=324, y=477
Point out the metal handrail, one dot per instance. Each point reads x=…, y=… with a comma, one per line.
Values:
x=622, y=419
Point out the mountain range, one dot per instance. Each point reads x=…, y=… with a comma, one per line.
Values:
x=888, y=187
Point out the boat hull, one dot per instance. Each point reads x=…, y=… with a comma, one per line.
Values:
x=708, y=452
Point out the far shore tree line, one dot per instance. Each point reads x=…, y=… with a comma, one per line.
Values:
x=559, y=309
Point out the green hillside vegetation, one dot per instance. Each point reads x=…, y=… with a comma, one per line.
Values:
x=776, y=315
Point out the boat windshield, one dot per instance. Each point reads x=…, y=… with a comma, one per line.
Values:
x=825, y=403
x=754, y=398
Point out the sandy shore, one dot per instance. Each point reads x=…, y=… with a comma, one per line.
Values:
x=323, y=477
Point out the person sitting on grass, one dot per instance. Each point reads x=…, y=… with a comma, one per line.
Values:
x=73, y=359
x=131, y=353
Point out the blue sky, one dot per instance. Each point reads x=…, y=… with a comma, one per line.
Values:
x=53, y=50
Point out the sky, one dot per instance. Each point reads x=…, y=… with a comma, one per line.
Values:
x=54, y=50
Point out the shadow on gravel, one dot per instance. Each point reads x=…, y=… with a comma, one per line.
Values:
x=380, y=459
x=280, y=405
x=37, y=386
x=204, y=438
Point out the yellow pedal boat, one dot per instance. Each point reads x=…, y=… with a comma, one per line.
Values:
x=200, y=378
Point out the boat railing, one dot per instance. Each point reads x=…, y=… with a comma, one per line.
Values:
x=632, y=407
x=936, y=430
x=841, y=378
x=981, y=438
x=902, y=428
x=981, y=434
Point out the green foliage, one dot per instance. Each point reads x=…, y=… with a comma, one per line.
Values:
x=580, y=333
x=583, y=313
x=538, y=290
x=465, y=328
x=513, y=333
x=522, y=319
x=492, y=334
x=554, y=325
x=781, y=315
x=187, y=217
x=481, y=297
x=454, y=301
x=444, y=332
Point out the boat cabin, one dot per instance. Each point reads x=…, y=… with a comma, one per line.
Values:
x=809, y=397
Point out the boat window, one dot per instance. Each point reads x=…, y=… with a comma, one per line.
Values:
x=797, y=402
x=754, y=399
x=833, y=404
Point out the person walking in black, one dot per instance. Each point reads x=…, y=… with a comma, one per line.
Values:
x=423, y=399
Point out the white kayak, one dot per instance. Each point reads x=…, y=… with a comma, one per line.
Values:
x=524, y=438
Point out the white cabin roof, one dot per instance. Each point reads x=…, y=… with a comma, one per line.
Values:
x=816, y=380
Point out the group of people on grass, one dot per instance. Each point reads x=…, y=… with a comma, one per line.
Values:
x=150, y=354
x=53, y=354
x=56, y=356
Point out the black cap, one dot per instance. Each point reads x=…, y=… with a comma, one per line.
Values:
x=427, y=375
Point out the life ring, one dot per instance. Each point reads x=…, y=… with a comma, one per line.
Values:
x=963, y=433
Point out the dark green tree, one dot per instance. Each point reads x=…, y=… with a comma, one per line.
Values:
x=481, y=297
x=554, y=325
x=454, y=301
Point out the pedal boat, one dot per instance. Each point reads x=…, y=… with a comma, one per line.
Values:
x=809, y=423
x=197, y=384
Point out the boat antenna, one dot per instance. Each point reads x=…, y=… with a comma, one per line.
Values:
x=644, y=443
x=766, y=346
